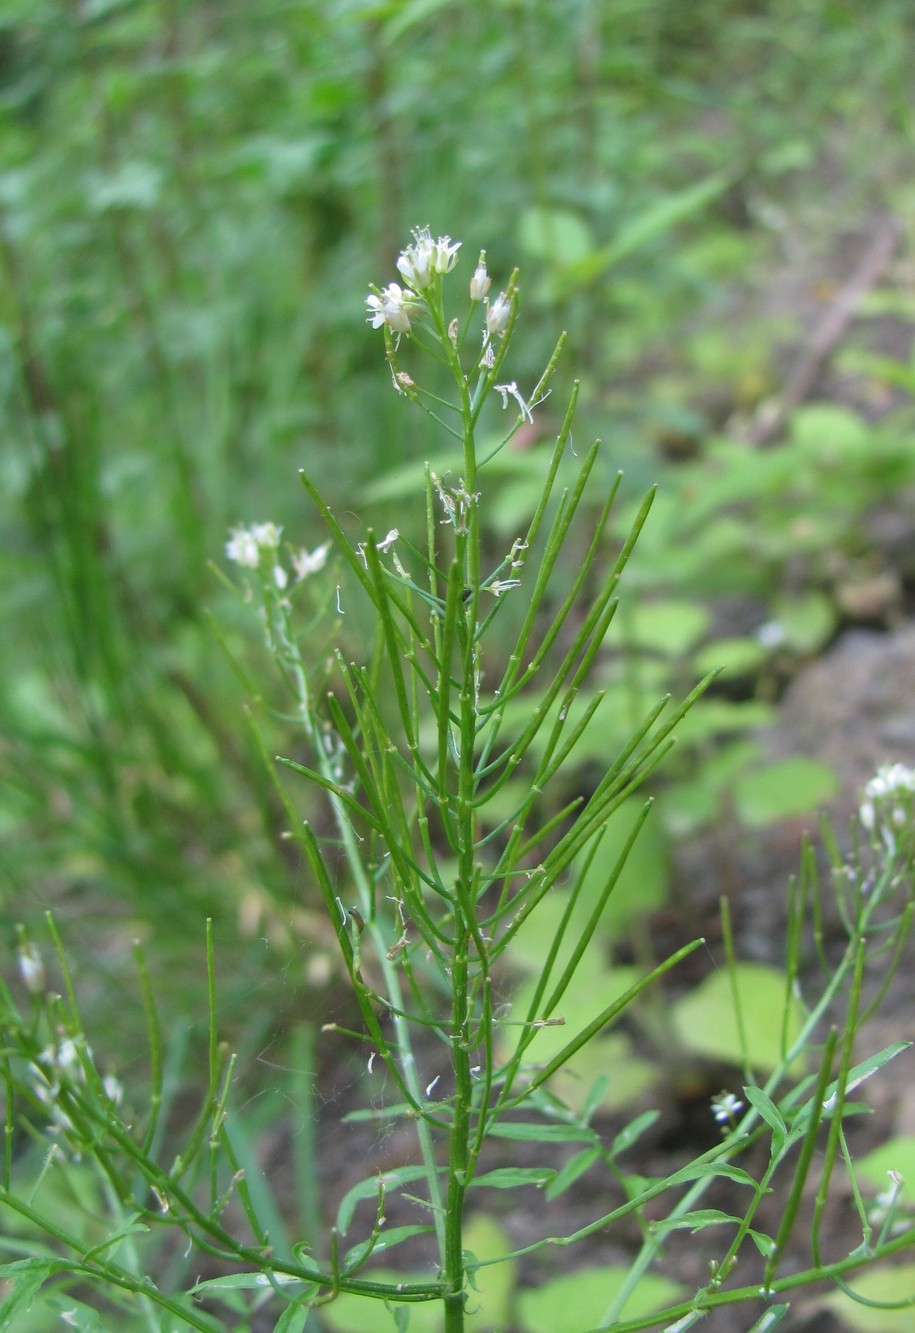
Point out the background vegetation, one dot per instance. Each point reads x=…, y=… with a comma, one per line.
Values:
x=193, y=200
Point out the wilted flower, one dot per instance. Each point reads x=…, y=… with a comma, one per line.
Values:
x=499, y=586
x=393, y=306
x=512, y=391
x=305, y=562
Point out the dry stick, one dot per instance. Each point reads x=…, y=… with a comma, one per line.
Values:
x=770, y=421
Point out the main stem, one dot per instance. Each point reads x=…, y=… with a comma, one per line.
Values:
x=458, y=1159
x=466, y=932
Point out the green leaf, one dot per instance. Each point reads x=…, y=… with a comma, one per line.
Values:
x=710, y=718
x=245, y=1282
x=349, y=1313
x=574, y=1168
x=24, y=1279
x=489, y=1305
x=539, y=1133
x=698, y=1220
x=789, y=787
x=386, y=1241
x=829, y=433
x=510, y=1177
x=644, y=880
x=896, y=1154
x=885, y=1285
x=368, y=1189
x=763, y=1103
x=705, y=1020
x=736, y=657
x=555, y=235
x=577, y=1302
x=633, y=1132
x=293, y=1319
x=765, y=1244
x=772, y=1317
x=808, y=620
x=668, y=627
x=650, y=224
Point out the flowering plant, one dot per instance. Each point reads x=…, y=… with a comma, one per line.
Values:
x=435, y=847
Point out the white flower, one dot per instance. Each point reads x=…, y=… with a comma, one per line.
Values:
x=242, y=547
x=305, y=563
x=725, y=1107
x=114, y=1089
x=512, y=390
x=31, y=968
x=481, y=282
x=280, y=577
x=890, y=794
x=425, y=257
x=267, y=535
x=771, y=634
x=497, y=315
x=392, y=306
x=245, y=545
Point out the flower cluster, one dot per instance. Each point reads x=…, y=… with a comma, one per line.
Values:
x=424, y=259
x=58, y=1067
x=889, y=798
x=248, y=546
x=421, y=265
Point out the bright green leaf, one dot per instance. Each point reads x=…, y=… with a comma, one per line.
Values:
x=784, y=789
x=578, y=1301
x=705, y=1020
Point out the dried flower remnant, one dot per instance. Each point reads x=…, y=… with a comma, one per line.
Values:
x=305, y=563
x=512, y=391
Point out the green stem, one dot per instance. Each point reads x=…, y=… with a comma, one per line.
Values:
x=458, y=1161
x=403, y=1041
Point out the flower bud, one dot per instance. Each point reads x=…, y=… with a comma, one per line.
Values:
x=481, y=282
x=497, y=315
x=31, y=968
